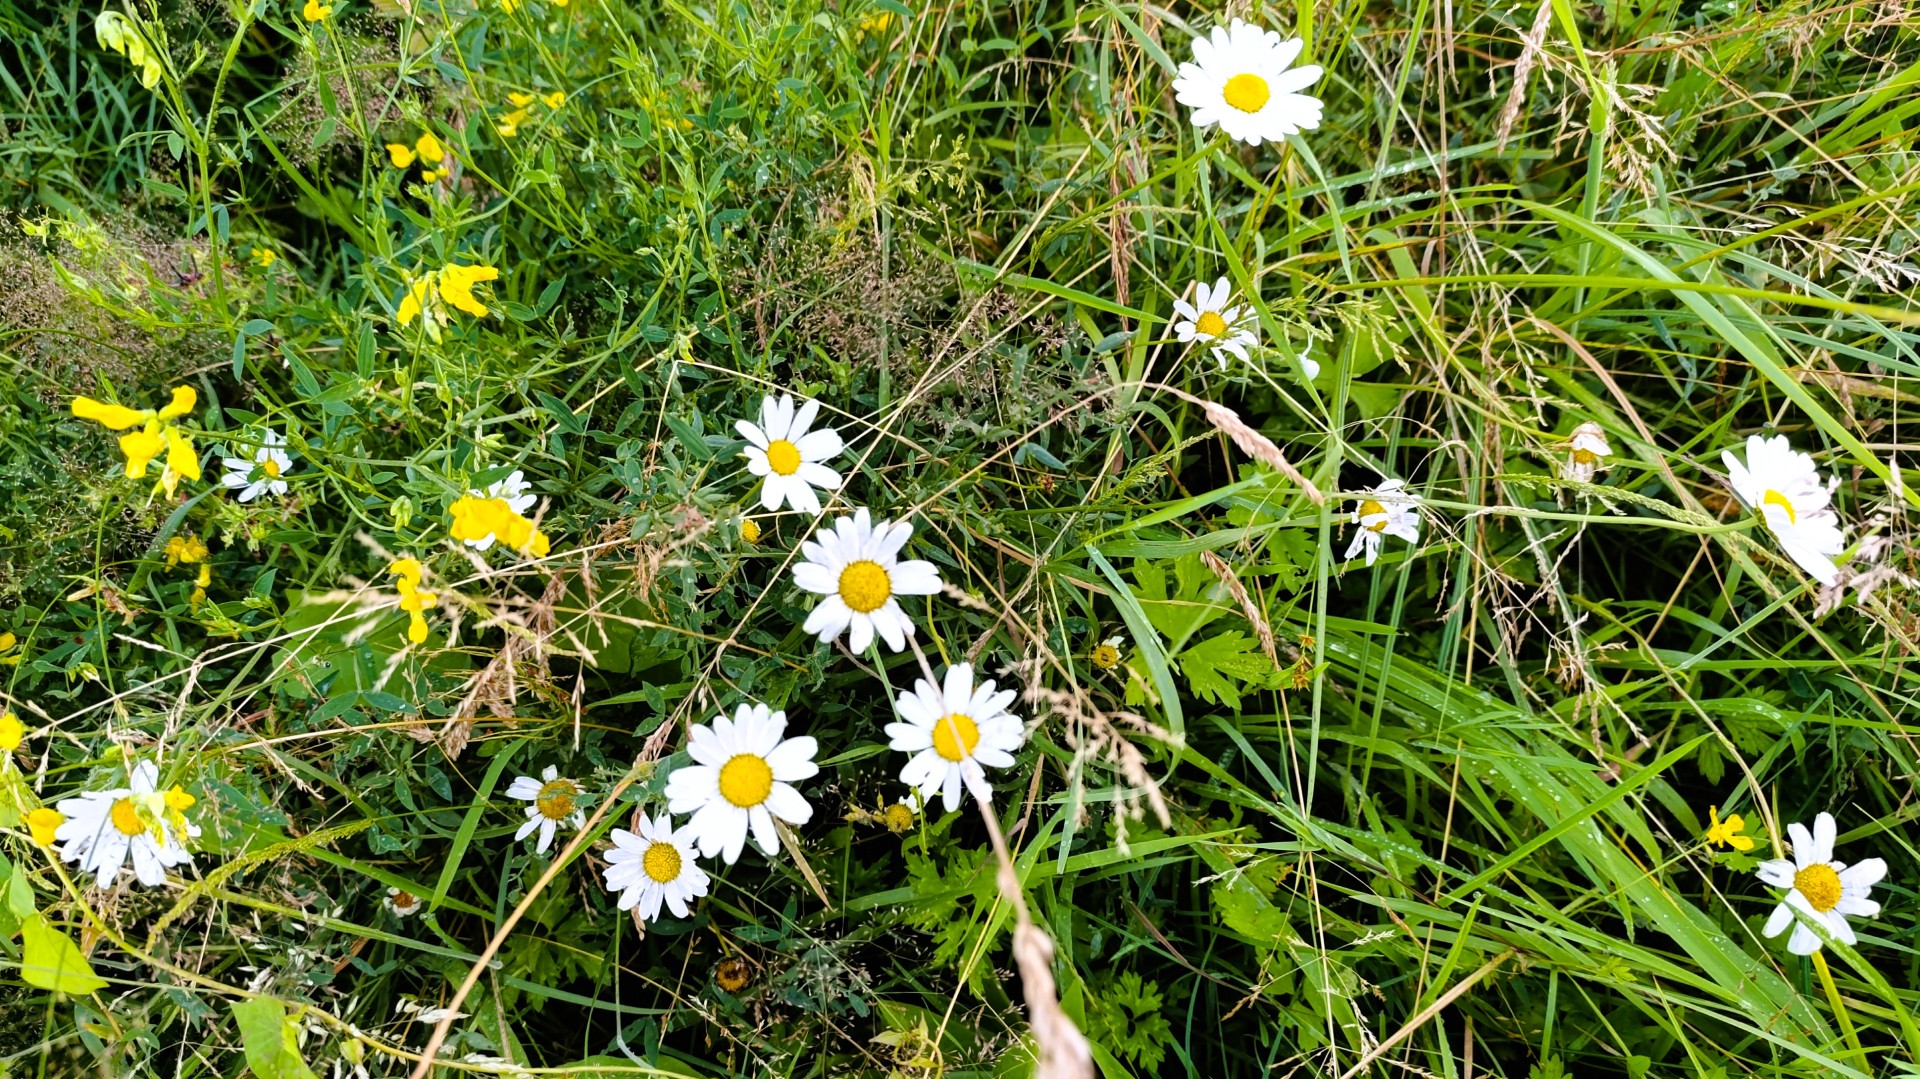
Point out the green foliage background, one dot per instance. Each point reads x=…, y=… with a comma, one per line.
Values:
x=1447, y=823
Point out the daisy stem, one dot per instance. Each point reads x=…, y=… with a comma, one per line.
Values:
x=1839, y=1008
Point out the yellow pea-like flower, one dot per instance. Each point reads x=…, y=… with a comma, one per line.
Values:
x=12, y=732
x=44, y=823
x=141, y=447
x=184, y=398
x=112, y=417
x=400, y=154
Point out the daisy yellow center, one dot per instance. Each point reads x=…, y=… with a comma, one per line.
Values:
x=1821, y=885
x=1106, y=657
x=955, y=736
x=1371, y=508
x=1210, y=323
x=555, y=800
x=1248, y=92
x=1775, y=498
x=404, y=900
x=865, y=586
x=662, y=862
x=746, y=780
x=899, y=817
x=783, y=457
x=126, y=818
x=1584, y=457
x=271, y=467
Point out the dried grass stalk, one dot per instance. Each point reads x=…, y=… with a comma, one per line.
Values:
x=1247, y=607
x=1257, y=446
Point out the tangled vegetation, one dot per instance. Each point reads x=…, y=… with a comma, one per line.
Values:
x=990, y=538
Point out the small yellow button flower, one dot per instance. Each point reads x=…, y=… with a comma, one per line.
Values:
x=1726, y=833
x=314, y=11
x=750, y=530
x=43, y=823
x=12, y=732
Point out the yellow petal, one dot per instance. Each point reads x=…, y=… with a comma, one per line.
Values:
x=141, y=447
x=179, y=800
x=399, y=154
x=181, y=458
x=43, y=823
x=429, y=148
x=183, y=401
x=555, y=99
x=520, y=99
x=113, y=417
x=12, y=732
x=7, y=641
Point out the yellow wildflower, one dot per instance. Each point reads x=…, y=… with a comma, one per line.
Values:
x=7, y=641
x=112, y=417
x=477, y=518
x=456, y=287
x=519, y=99
x=1726, y=833
x=12, y=732
x=400, y=155
x=415, y=301
x=750, y=530
x=435, y=161
x=158, y=435
x=555, y=99
x=44, y=823
x=200, y=584
x=314, y=11
x=187, y=548
x=413, y=599
x=509, y=125
x=263, y=257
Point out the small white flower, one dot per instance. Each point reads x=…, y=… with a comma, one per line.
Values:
x=270, y=460
x=1784, y=488
x=856, y=567
x=788, y=455
x=104, y=828
x=742, y=778
x=556, y=801
x=1387, y=510
x=1309, y=366
x=515, y=491
x=1587, y=452
x=403, y=904
x=953, y=730
x=1215, y=322
x=1241, y=78
x=1821, y=889
x=653, y=866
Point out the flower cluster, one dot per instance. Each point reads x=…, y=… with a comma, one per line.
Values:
x=430, y=294
x=157, y=434
x=435, y=160
x=522, y=107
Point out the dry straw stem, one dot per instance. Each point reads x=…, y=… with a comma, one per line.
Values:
x=1251, y=442
x=1247, y=607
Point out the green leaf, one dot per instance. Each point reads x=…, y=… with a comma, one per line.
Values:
x=53, y=961
x=1231, y=655
x=269, y=1037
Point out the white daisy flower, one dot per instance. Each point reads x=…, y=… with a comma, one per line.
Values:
x=1587, y=452
x=104, y=828
x=1240, y=78
x=515, y=491
x=953, y=730
x=556, y=801
x=1387, y=510
x=1108, y=653
x=1783, y=487
x=655, y=866
x=402, y=903
x=857, y=568
x=270, y=460
x=1822, y=890
x=788, y=455
x=742, y=778
x=1213, y=321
